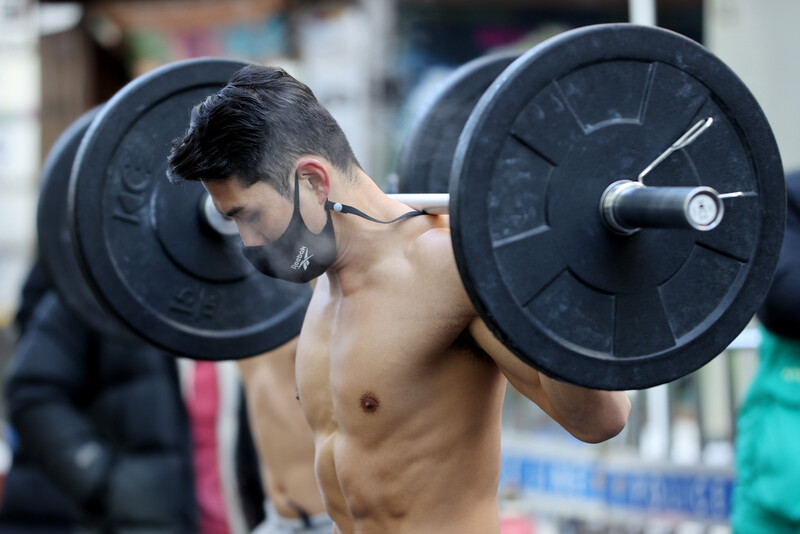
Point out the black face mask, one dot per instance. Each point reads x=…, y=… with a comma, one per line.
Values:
x=299, y=255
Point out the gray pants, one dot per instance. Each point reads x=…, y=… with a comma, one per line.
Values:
x=276, y=524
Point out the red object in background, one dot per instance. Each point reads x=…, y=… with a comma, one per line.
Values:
x=489, y=38
x=203, y=410
x=517, y=525
x=5, y=464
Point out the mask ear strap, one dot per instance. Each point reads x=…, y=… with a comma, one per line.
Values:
x=344, y=208
x=296, y=189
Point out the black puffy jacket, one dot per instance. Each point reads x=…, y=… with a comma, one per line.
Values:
x=780, y=311
x=104, y=420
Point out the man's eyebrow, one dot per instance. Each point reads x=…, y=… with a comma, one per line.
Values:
x=232, y=211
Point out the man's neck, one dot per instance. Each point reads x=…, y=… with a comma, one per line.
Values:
x=362, y=243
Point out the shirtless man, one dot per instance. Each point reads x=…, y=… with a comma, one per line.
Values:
x=400, y=380
x=284, y=444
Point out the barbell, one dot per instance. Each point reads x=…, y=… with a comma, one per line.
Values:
x=568, y=134
x=584, y=269
x=153, y=255
x=56, y=253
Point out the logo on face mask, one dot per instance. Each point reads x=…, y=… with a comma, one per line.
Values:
x=303, y=259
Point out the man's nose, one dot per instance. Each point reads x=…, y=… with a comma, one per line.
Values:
x=250, y=237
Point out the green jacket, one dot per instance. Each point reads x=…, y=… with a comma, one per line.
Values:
x=767, y=494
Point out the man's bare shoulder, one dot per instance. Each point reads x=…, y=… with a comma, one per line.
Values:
x=429, y=244
x=431, y=254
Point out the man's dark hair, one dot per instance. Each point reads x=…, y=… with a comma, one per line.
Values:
x=256, y=127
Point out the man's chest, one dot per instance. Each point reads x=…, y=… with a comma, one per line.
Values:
x=368, y=361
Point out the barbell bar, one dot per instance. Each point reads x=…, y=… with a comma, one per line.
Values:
x=626, y=206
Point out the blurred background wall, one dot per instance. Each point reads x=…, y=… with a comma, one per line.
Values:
x=372, y=63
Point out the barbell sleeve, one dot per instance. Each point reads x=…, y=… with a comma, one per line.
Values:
x=214, y=219
x=625, y=206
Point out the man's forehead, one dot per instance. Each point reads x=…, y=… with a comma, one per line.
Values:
x=222, y=194
x=231, y=193
x=228, y=186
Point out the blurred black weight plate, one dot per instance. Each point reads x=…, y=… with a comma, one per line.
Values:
x=56, y=249
x=572, y=115
x=427, y=154
x=145, y=247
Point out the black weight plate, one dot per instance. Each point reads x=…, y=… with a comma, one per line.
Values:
x=427, y=154
x=580, y=111
x=56, y=249
x=146, y=250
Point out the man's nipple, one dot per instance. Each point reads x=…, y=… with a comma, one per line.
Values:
x=370, y=402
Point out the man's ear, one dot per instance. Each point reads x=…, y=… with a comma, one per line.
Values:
x=318, y=176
